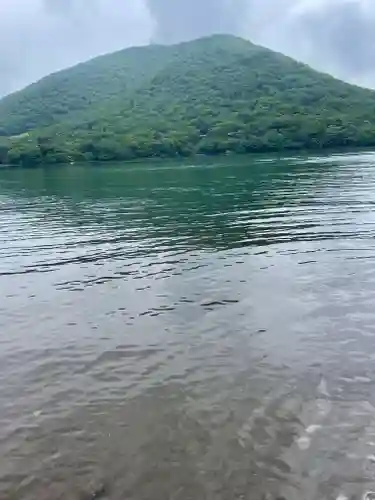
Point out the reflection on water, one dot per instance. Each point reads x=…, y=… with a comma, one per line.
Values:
x=176, y=331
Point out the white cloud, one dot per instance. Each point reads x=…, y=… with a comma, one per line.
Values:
x=337, y=36
x=37, y=37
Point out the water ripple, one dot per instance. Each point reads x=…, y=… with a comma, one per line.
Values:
x=188, y=331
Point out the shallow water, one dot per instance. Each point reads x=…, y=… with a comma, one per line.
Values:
x=176, y=331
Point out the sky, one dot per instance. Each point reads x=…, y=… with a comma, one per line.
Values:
x=38, y=37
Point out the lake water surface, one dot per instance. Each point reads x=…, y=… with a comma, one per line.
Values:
x=186, y=332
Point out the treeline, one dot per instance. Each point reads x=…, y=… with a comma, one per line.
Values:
x=118, y=148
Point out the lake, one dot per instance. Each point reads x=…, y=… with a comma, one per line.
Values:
x=188, y=331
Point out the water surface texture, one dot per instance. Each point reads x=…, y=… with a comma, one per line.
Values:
x=185, y=332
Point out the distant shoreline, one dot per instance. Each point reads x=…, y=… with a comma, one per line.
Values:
x=282, y=154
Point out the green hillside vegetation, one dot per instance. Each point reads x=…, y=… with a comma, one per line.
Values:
x=215, y=95
x=76, y=89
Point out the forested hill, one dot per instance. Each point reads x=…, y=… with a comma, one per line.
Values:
x=76, y=89
x=214, y=95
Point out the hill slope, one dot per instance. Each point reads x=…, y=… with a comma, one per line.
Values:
x=72, y=90
x=213, y=95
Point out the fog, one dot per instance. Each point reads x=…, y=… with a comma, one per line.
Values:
x=41, y=36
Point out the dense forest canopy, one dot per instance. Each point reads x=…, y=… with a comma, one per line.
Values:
x=214, y=95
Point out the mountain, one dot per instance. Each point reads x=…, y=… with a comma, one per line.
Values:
x=214, y=95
